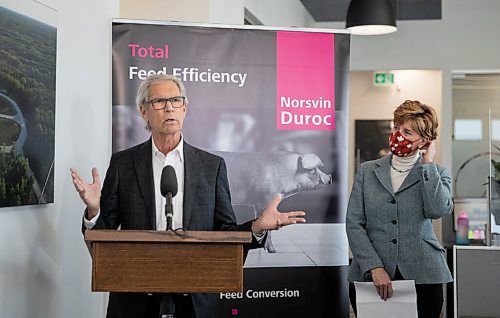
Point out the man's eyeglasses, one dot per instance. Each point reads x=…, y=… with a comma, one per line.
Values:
x=161, y=103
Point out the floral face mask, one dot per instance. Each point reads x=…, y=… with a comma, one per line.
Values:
x=400, y=146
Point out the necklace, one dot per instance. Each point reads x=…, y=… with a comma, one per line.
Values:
x=400, y=171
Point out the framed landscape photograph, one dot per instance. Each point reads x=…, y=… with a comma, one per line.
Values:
x=27, y=109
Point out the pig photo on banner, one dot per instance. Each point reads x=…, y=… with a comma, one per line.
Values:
x=252, y=102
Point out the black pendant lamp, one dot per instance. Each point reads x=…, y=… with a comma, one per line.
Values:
x=371, y=17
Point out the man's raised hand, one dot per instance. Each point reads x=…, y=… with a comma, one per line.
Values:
x=272, y=219
x=90, y=193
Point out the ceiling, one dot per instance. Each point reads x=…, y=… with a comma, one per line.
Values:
x=336, y=10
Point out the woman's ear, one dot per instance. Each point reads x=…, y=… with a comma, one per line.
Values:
x=423, y=143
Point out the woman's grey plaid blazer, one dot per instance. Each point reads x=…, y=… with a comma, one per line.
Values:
x=387, y=229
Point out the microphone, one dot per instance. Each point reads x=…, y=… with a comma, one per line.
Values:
x=168, y=188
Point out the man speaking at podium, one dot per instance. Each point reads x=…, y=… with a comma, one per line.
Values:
x=131, y=199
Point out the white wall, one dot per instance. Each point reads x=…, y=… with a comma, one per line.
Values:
x=226, y=11
x=170, y=10
x=201, y=11
x=196, y=11
x=280, y=13
x=44, y=265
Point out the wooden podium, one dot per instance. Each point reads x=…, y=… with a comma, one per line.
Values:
x=160, y=261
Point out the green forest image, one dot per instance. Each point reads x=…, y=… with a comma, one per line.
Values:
x=27, y=109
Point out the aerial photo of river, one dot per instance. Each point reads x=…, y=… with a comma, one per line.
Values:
x=27, y=109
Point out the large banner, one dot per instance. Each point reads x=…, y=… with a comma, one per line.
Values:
x=273, y=104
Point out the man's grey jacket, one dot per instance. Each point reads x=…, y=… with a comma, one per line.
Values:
x=128, y=200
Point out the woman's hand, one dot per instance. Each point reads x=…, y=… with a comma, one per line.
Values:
x=430, y=151
x=382, y=282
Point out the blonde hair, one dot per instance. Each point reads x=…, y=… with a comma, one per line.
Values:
x=421, y=117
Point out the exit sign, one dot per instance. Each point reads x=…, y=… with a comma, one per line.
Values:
x=383, y=78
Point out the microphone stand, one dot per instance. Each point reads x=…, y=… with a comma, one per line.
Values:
x=167, y=305
x=169, y=211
